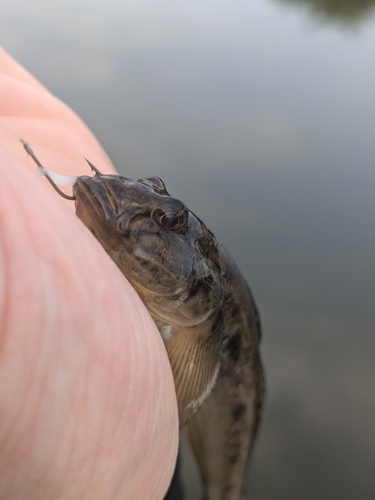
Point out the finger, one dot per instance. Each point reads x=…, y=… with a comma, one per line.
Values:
x=57, y=135
x=49, y=256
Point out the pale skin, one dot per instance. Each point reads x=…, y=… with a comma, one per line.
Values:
x=87, y=401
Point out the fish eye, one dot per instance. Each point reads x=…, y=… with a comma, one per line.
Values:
x=172, y=222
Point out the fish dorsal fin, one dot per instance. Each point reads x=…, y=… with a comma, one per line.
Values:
x=195, y=360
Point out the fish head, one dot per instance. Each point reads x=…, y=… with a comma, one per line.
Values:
x=164, y=250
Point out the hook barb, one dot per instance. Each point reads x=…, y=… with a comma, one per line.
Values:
x=93, y=168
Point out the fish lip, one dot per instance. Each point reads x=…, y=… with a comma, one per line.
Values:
x=90, y=192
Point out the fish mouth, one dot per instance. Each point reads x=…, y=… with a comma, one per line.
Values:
x=92, y=194
x=108, y=199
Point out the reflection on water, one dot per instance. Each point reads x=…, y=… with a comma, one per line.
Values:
x=265, y=128
x=343, y=10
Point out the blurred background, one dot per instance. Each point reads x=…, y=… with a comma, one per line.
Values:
x=260, y=115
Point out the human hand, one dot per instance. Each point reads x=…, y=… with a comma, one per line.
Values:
x=87, y=400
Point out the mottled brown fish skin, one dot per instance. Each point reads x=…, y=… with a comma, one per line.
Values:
x=204, y=311
x=223, y=431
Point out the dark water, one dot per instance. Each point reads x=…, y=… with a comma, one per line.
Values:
x=261, y=116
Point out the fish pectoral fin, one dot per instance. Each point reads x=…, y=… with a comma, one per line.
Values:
x=195, y=360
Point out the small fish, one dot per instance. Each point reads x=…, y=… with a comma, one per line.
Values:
x=202, y=307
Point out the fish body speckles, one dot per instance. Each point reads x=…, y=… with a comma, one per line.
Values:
x=204, y=311
x=223, y=431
